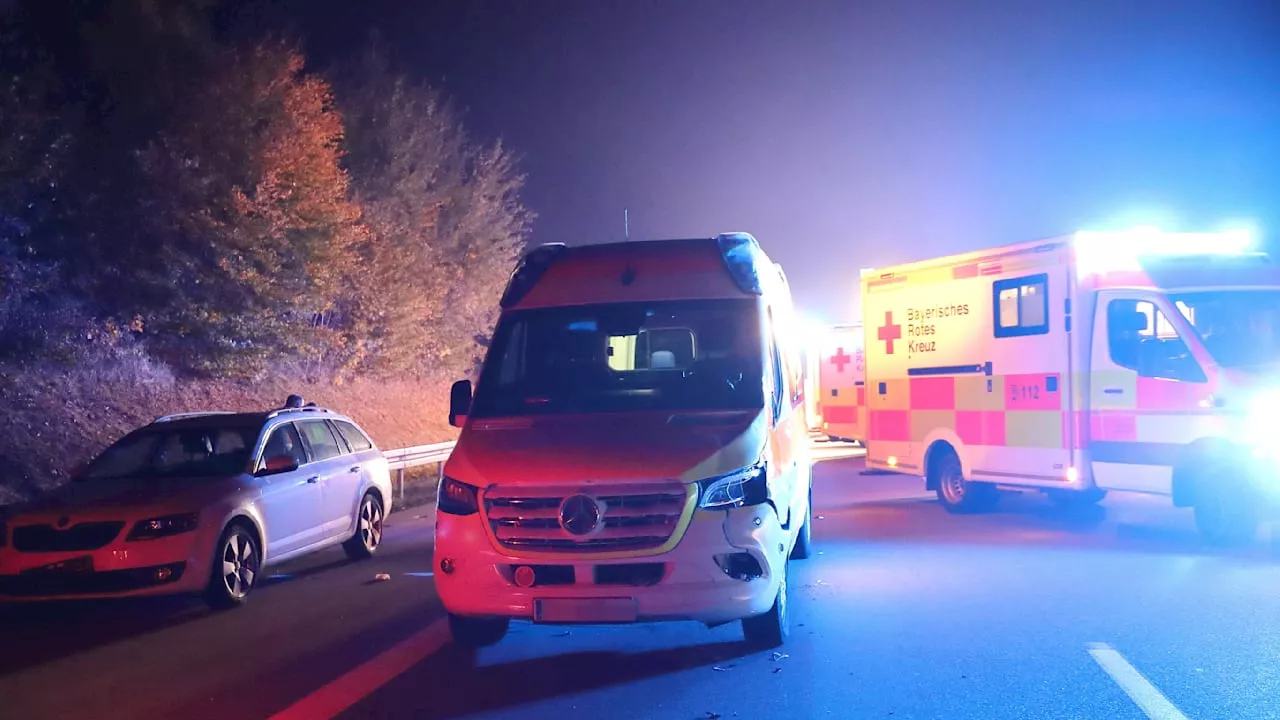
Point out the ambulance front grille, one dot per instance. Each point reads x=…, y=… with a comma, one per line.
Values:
x=630, y=517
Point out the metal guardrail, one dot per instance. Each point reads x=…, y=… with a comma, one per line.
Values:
x=400, y=460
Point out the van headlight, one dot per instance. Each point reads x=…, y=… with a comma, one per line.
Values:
x=740, y=488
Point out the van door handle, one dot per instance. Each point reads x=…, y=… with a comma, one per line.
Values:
x=355, y=469
x=313, y=479
x=1113, y=391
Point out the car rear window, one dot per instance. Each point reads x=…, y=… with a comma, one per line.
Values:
x=356, y=440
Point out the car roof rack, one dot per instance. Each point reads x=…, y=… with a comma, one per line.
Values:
x=201, y=413
x=304, y=409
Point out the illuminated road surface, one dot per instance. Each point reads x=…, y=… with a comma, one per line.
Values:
x=906, y=612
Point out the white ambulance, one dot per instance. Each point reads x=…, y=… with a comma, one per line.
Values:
x=1138, y=361
x=841, y=387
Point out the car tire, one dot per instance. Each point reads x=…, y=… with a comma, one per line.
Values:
x=366, y=540
x=1225, y=515
x=237, y=565
x=770, y=630
x=955, y=493
x=804, y=538
x=477, y=632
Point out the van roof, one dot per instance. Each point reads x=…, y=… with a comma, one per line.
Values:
x=642, y=271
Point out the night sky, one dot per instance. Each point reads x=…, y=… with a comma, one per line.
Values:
x=848, y=134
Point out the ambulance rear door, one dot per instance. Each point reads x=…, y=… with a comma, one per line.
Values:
x=1022, y=433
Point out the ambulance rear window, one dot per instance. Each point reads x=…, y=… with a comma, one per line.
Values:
x=1021, y=306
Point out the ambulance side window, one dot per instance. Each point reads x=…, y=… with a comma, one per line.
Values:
x=1021, y=306
x=1141, y=338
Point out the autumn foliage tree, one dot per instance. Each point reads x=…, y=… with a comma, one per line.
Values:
x=234, y=212
x=248, y=211
x=444, y=221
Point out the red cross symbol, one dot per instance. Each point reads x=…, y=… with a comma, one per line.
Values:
x=840, y=360
x=889, y=332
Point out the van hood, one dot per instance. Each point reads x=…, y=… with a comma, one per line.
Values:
x=587, y=449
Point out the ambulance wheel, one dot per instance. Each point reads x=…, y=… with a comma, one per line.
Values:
x=1224, y=514
x=955, y=493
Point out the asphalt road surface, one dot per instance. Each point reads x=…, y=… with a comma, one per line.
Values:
x=905, y=612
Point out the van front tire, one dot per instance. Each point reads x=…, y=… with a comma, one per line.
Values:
x=804, y=537
x=770, y=630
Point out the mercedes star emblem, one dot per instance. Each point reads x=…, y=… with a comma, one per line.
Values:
x=580, y=515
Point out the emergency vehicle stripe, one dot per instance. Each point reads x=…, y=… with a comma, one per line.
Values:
x=890, y=425
x=1023, y=410
x=1158, y=394
x=980, y=427
x=924, y=422
x=1033, y=428
x=840, y=413
x=933, y=393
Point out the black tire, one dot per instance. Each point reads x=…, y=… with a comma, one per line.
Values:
x=770, y=630
x=477, y=632
x=955, y=493
x=368, y=535
x=237, y=565
x=804, y=537
x=1225, y=514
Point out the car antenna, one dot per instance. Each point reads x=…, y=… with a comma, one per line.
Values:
x=626, y=224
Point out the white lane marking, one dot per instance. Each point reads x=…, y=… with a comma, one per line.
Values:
x=421, y=574
x=1135, y=684
x=344, y=692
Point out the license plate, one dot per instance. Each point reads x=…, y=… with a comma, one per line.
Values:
x=72, y=565
x=585, y=610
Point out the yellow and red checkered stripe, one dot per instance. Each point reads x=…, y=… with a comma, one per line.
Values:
x=1030, y=410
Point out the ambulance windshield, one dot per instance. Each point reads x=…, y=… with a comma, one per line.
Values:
x=1239, y=328
x=685, y=355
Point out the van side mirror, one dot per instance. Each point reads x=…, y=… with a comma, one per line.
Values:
x=459, y=403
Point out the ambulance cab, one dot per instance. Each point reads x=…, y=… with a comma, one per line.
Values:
x=635, y=448
x=1138, y=361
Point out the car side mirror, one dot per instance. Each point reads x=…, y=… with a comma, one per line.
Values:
x=459, y=403
x=278, y=464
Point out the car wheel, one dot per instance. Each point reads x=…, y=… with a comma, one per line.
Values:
x=477, y=632
x=804, y=538
x=236, y=564
x=955, y=493
x=368, y=536
x=772, y=628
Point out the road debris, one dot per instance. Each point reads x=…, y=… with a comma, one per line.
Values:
x=381, y=577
